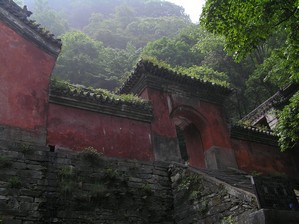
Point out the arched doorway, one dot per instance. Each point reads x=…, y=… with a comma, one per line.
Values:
x=189, y=125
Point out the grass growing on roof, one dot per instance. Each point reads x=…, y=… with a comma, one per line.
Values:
x=198, y=72
x=129, y=98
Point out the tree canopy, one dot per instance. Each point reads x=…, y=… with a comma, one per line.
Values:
x=102, y=39
x=88, y=62
x=251, y=26
x=51, y=19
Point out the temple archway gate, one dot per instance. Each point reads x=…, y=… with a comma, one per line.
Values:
x=192, y=106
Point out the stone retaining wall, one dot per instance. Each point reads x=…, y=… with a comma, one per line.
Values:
x=40, y=186
x=199, y=198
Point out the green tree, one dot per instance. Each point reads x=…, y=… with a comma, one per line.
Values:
x=124, y=15
x=179, y=50
x=173, y=51
x=50, y=19
x=287, y=128
x=88, y=62
x=106, y=31
x=81, y=60
x=144, y=30
x=247, y=27
x=117, y=32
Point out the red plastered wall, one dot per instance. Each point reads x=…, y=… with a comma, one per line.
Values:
x=210, y=127
x=208, y=119
x=257, y=157
x=114, y=136
x=24, y=80
x=162, y=125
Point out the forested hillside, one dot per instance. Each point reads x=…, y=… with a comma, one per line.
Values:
x=103, y=39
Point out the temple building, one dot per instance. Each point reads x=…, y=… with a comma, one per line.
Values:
x=177, y=119
x=174, y=105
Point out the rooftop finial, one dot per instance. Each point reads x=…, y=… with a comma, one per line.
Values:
x=26, y=11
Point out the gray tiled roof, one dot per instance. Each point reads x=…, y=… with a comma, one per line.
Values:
x=278, y=99
x=88, y=99
x=147, y=67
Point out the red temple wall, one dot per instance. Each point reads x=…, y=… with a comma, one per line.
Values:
x=209, y=122
x=114, y=136
x=257, y=157
x=24, y=78
x=169, y=110
x=210, y=126
x=162, y=124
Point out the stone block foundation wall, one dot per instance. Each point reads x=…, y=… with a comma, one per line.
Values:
x=39, y=186
x=199, y=198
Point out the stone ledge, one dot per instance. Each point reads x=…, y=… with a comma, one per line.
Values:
x=30, y=136
x=105, y=190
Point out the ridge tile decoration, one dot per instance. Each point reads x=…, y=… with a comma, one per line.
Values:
x=17, y=18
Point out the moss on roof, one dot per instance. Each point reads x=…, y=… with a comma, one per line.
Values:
x=62, y=85
x=201, y=73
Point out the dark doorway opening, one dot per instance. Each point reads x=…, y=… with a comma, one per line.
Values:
x=190, y=144
x=182, y=144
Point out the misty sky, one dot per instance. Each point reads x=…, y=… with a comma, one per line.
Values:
x=192, y=7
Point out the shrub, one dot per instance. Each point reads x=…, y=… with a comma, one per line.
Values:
x=15, y=182
x=4, y=162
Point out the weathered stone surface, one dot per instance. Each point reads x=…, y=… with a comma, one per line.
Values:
x=198, y=199
x=62, y=187
x=270, y=216
x=217, y=158
x=166, y=149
